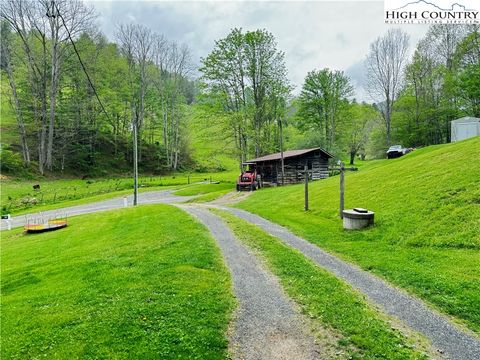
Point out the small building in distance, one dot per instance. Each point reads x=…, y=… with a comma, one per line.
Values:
x=270, y=166
x=465, y=128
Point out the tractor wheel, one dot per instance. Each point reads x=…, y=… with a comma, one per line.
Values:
x=239, y=188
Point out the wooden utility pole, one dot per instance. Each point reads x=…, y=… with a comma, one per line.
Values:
x=135, y=163
x=281, y=152
x=342, y=188
x=306, y=187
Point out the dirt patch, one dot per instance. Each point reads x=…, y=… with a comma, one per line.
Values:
x=231, y=198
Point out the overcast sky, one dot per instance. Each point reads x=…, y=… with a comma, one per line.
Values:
x=313, y=34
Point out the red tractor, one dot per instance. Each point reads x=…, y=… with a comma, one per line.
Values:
x=249, y=179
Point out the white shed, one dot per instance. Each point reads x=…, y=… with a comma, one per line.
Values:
x=465, y=128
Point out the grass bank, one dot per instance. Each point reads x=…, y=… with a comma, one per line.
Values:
x=331, y=303
x=427, y=233
x=145, y=282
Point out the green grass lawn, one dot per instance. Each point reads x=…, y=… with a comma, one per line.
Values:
x=206, y=192
x=362, y=333
x=426, y=237
x=18, y=196
x=145, y=282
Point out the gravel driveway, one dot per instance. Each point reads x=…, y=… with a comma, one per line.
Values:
x=150, y=197
x=450, y=340
x=267, y=326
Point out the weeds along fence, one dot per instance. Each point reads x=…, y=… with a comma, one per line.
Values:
x=89, y=188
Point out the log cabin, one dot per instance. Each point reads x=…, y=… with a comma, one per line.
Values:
x=270, y=166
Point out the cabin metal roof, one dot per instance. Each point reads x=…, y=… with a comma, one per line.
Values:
x=289, y=154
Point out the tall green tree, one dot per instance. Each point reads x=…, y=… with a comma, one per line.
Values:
x=440, y=85
x=247, y=72
x=323, y=99
x=356, y=130
x=467, y=62
x=6, y=64
x=385, y=72
x=45, y=29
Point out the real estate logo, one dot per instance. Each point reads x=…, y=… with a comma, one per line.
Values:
x=432, y=12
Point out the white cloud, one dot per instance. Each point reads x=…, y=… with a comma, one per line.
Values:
x=313, y=35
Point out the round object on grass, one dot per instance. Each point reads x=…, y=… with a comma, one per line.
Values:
x=356, y=220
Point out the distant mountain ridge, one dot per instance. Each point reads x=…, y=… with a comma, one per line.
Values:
x=434, y=5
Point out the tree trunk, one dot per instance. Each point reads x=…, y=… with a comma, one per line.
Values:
x=142, y=109
x=257, y=140
x=135, y=160
x=177, y=140
x=53, y=90
x=352, y=156
x=388, y=112
x=21, y=124
x=238, y=144
x=165, y=128
x=281, y=152
x=42, y=132
x=172, y=134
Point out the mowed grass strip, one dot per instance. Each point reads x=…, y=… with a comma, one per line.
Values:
x=145, y=282
x=426, y=237
x=327, y=300
x=202, y=189
x=206, y=192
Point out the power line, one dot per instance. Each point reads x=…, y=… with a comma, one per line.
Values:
x=78, y=55
x=135, y=144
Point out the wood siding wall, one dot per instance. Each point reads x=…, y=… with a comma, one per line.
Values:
x=271, y=171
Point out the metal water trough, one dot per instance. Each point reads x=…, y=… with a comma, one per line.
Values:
x=39, y=224
x=357, y=218
x=51, y=225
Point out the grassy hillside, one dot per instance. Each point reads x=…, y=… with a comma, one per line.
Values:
x=8, y=124
x=427, y=213
x=210, y=144
x=144, y=282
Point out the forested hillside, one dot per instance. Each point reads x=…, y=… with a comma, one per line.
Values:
x=75, y=102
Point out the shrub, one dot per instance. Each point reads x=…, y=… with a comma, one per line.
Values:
x=10, y=162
